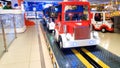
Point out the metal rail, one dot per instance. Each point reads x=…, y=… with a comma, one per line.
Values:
x=4, y=37
x=4, y=33
x=51, y=53
x=14, y=26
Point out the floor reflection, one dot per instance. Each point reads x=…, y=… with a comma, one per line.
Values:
x=111, y=42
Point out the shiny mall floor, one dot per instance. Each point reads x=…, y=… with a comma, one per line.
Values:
x=25, y=51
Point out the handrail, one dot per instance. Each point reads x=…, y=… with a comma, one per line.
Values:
x=6, y=31
x=4, y=37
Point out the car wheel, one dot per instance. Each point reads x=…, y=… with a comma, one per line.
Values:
x=103, y=30
x=60, y=42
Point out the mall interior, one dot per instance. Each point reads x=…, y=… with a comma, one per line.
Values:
x=59, y=33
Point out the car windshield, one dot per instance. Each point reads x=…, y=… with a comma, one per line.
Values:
x=76, y=13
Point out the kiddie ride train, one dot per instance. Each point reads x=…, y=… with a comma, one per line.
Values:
x=50, y=14
x=103, y=21
x=73, y=25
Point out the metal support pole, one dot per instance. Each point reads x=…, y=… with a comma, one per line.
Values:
x=14, y=26
x=4, y=37
x=117, y=5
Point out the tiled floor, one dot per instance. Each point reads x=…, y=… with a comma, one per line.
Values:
x=1, y=45
x=24, y=52
x=111, y=42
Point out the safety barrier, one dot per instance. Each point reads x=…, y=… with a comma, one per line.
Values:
x=7, y=31
x=11, y=22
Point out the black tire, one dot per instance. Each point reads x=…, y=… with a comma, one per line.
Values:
x=60, y=42
x=93, y=29
x=94, y=46
x=91, y=47
x=54, y=33
x=103, y=30
x=48, y=28
x=55, y=40
x=50, y=31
